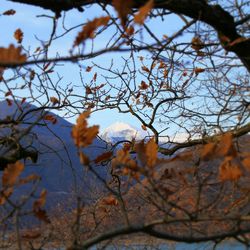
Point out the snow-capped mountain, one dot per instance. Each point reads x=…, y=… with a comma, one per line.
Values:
x=122, y=131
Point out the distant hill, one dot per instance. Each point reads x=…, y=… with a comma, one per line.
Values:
x=58, y=164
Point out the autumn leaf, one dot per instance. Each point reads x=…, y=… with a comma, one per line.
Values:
x=146, y=69
x=81, y=133
x=197, y=71
x=54, y=100
x=8, y=93
x=123, y=8
x=29, y=178
x=226, y=146
x=110, y=201
x=103, y=157
x=89, y=29
x=229, y=171
x=246, y=162
x=151, y=151
x=31, y=235
x=144, y=127
x=18, y=35
x=50, y=118
x=84, y=159
x=37, y=207
x=9, y=12
x=123, y=159
x=143, y=12
x=88, y=69
x=162, y=65
x=130, y=30
x=11, y=173
x=9, y=102
x=41, y=215
x=12, y=55
x=147, y=153
x=5, y=194
x=143, y=85
x=40, y=202
x=208, y=151
x=197, y=44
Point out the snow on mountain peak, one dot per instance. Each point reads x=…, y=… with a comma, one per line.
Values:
x=122, y=131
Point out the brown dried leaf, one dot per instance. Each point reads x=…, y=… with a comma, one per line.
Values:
x=110, y=201
x=29, y=178
x=50, y=118
x=9, y=12
x=18, y=35
x=123, y=8
x=81, y=133
x=197, y=71
x=143, y=12
x=143, y=85
x=246, y=163
x=12, y=55
x=11, y=173
x=42, y=215
x=151, y=151
x=197, y=44
x=103, y=157
x=226, y=146
x=88, y=30
x=122, y=159
x=208, y=151
x=5, y=194
x=40, y=202
x=54, y=100
x=31, y=235
x=84, y=159
x=229, y=170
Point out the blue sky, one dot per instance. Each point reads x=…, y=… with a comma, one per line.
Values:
x=35, y=28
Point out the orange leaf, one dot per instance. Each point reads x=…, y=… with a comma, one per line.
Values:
x=81, y=133
x=197, y=44
x=5, y=194
x=54, y=100
x=50, y=118
x=122, y=159
x=31, y=235
x=110, y=201
x=246, y=163
x=42, y=215
x=123, y=8
x=11, y=173
x=12, y=55
x=208, y=151
x=143, y=85
x=18, y=35
x=9, y=12
x=8, y=93
x=226, y=146
x=40, y=202
x=29, y=178
x=151, y=151
x=143, y=12
x=103, y=157
x=197, y=71
x=88, y=69
x=144, y=68
x=84, y=159
x=229, y=170
x=89, y=29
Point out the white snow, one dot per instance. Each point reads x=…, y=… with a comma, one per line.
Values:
x=122, y=131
